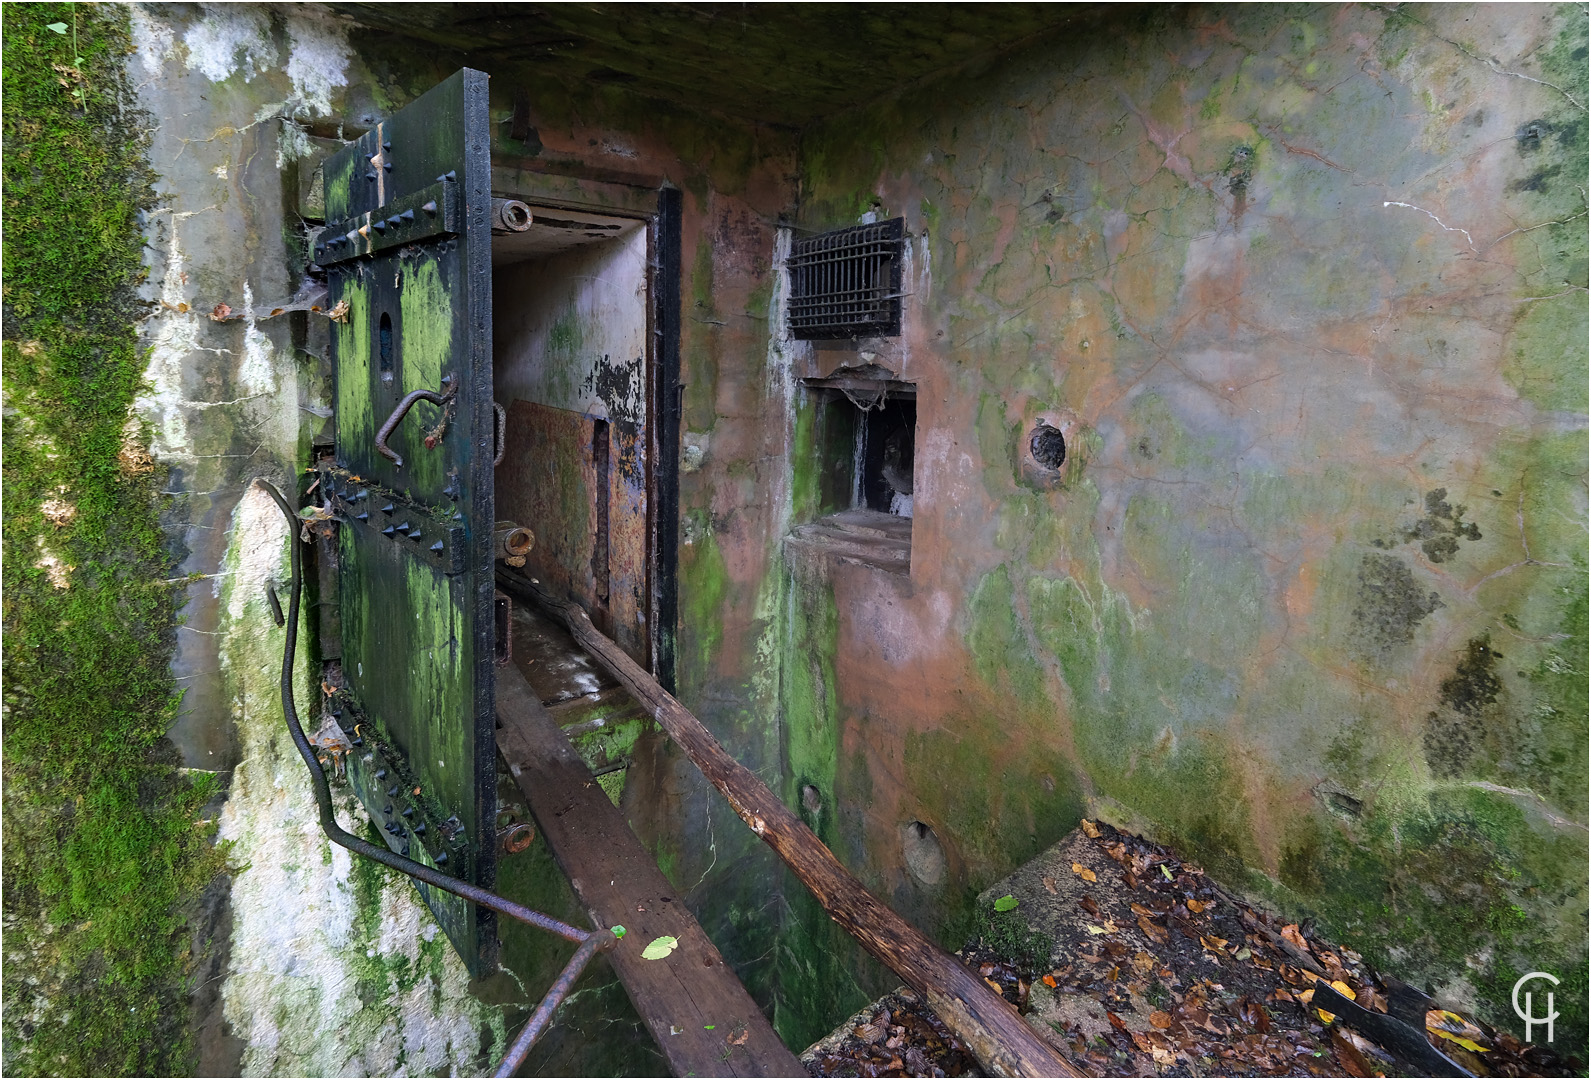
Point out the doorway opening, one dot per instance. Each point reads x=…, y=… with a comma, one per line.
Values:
x=570, y=369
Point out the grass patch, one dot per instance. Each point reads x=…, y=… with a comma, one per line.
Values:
x=102, y=852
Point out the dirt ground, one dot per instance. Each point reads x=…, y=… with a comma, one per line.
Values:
x=1133, y=963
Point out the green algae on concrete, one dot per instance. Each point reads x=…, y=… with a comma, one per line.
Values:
x=810, y=706
x=999, y=647
x=703, y=587
x=1253, y=629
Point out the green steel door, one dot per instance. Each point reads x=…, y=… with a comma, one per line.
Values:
x=407, y=251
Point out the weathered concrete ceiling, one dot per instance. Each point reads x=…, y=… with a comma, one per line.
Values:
x=780, y=63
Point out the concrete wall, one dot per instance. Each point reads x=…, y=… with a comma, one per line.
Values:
x=1304, y=289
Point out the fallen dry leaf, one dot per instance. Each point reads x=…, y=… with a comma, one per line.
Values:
x=1162, y=1056
x=1144, y=962
x=1084, y=872
x=1048, y=980
x=1290, y=932
x=339, y=313
x=1161, y=1020
x=1090, y=830
x=1455, y=1028
x=1348, y=1056
x=1214, y=944
x=1196, y=906
x=737, y=1039
x=221, y=312
x=1049, y=884
x=1156, y=933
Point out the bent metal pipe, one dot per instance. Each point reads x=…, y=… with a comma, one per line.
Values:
x=591, y=942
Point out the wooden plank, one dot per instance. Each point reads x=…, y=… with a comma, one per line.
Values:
x=989, y=1025
x=703, y=1019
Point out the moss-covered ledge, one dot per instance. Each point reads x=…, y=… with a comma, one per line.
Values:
x=102, y=849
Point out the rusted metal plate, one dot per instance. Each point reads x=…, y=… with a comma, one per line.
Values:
x=427, y=214
x=414, y=300
x=548, y=482
x=579, y=483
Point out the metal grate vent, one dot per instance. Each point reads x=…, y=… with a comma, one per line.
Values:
x=846, y=283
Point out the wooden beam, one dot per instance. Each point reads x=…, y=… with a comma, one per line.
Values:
x=989, y=1025
x=702, y=1018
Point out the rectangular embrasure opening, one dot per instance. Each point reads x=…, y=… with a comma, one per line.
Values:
x=864, y=442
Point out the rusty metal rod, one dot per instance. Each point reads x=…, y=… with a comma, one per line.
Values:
x=537, y=1024
x=397, y=418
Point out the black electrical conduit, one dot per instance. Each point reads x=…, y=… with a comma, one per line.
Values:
x=591, y=942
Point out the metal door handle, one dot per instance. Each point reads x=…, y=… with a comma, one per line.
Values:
x=403, y=410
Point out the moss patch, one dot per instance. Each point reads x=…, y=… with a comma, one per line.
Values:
x=101, y=847
x=1465, y=887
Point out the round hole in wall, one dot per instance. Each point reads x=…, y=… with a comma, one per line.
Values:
x=1048, y=445
x=924, y=856
x=811, y=800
